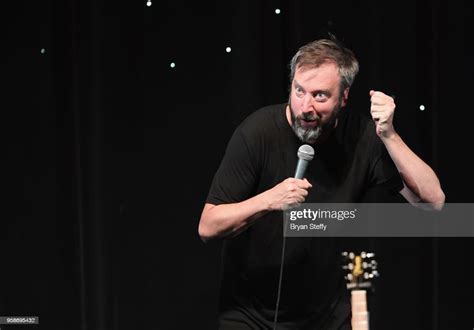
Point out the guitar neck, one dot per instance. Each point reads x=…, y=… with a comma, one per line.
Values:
x=360, y=315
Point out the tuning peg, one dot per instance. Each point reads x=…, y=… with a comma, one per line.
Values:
x=344, y=254
x=369, y=265
x=370, y=255
x=351, y=255
x=376, y=273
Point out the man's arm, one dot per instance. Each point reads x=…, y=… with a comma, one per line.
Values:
x=231, y=219
x=421, y=185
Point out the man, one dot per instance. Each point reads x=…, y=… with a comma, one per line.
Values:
x=355, y=157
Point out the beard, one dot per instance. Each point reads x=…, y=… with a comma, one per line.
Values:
x=311, y=135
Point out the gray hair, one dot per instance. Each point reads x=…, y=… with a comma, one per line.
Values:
x=322, y=51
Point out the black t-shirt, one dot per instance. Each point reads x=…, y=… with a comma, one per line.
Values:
x=262, y=153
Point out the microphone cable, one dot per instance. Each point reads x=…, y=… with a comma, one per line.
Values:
x=275, y=321
x=305, y=155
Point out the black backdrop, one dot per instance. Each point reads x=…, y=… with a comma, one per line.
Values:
x=110, y=151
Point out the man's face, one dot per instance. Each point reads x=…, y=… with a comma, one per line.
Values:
x=315, y=101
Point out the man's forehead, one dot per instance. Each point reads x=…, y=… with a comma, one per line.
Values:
x=328, y=66
x=326, y=75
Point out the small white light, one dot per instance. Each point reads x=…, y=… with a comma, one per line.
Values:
x=148, y=3
x=422, y=107
x=43, y=50
x=277, y=11
x=172, y=65
x=228, y=49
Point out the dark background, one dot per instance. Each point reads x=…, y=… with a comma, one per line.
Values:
x=110, y=152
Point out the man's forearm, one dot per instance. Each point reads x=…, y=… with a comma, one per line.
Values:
x=416, y=174
x=230, y=219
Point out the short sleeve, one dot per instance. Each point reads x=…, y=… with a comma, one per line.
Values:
x=235, y=179
x=385, y=181
x=385, y=172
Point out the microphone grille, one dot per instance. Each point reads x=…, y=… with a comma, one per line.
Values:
x=306, y=152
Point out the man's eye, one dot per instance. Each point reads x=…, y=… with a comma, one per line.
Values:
x=320, y=96
x=299, y=90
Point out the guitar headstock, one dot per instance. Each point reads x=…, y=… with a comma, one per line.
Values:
x=360, y=269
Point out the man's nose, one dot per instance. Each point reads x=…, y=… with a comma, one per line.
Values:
x=308, y=103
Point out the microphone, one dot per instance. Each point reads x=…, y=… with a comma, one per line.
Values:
x=305, y=155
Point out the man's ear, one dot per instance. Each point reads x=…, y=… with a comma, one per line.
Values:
x=345, y=96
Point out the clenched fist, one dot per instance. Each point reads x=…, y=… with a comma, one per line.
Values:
x=287, y=194
x=382, y=108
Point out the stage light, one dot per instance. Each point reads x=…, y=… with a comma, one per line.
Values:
x=172, y=65
x=228, y=49
x=277, y=11
x=42, y=51
x=422, y=107
x=148, y=3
